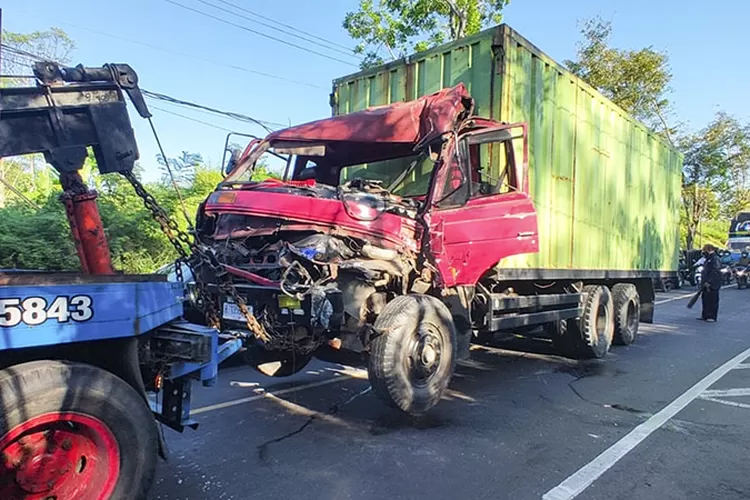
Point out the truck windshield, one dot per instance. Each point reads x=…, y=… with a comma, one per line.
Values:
x=406, y=176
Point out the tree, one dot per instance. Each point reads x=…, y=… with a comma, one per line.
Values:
x=716, y=172
x=23, y=49
x=20, y=51
x=401, y=26
x=183, y=167
x=636, y=80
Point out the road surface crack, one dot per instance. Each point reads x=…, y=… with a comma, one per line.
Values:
x=333, y=410
x=581, y=396
x=263, y=448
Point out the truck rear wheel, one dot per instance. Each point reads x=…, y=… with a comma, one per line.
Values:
x=413, y=355
x=596, y=326
x=71, y=431
x=627, y=313
x=591, y=335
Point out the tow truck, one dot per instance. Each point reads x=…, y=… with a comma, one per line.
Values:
x=90, y=362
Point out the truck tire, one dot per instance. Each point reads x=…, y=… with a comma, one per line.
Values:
x=103, y=440
x=413, y=355
x=594, y=331
x=627, y=313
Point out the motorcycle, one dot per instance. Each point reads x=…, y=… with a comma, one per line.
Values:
x=727, y=266
x=698, y=271
x=741, y=275
x=726, y=274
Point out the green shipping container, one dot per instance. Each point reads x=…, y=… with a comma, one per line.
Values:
x=606, y=188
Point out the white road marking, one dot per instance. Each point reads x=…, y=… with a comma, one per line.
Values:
x=684, y=296
x=674, y=298
x=742, y=366
x=727, y=393
x=586, y=475
x=342, y=376
x=725, y=402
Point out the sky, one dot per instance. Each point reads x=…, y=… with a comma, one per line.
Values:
x=192, y=57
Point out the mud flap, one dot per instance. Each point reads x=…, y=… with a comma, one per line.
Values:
x=647, y=295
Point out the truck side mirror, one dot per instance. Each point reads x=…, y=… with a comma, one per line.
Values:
x=233, y=160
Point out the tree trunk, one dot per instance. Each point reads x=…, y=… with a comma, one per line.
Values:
x=689, y=238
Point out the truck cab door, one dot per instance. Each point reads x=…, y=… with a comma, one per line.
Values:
x=481, y=211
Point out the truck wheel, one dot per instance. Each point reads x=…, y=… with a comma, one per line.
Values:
x=71, y=431
x=412, y=357
x=627, y=313
x=595, y=329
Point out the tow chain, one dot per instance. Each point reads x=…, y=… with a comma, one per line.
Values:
x=194, y=256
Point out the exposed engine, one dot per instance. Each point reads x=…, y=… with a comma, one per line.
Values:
x=306, y=286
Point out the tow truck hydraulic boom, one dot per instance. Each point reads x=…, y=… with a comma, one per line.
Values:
x=89, y=352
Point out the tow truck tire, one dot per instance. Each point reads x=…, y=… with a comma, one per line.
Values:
x=412, y=356
x=627, y=313
x=71, y=431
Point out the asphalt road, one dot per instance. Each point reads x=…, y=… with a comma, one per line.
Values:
x=518, y=423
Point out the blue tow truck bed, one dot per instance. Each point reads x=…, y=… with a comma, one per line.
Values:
x=42, y=309
x=79, y=356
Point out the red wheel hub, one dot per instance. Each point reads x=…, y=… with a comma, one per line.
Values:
x=59, y=456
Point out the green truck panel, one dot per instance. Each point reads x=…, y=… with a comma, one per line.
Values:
x=606, y=188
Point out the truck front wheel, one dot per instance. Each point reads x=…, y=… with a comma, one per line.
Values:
x=412, y=355
x=71, y=431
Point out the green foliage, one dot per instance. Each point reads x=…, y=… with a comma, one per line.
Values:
x=40, y=238
x=36, y=239
x=401, y=26
x=713, y=231
x=182, y=167
x=636, y=80
x=52, y=44
x=716, y=172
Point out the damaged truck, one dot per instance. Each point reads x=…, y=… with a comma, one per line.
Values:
x=469, y=191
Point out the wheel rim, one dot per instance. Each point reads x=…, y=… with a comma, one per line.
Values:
x=425, y=353
x=59, y=456
x=632, y=316
x=601, y=323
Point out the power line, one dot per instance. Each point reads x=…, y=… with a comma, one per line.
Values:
x=197, y=58
x=186, y=117
x=237, y=116
x=292, y=31
x=296, y=30
x=163, y=97
x=259, y=33
x=18, y=193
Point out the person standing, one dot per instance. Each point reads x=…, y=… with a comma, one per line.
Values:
x=711, y=281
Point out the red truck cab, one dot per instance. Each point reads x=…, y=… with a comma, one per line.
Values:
x=391, y=211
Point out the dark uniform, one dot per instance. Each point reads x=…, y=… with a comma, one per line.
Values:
x=712, y=281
